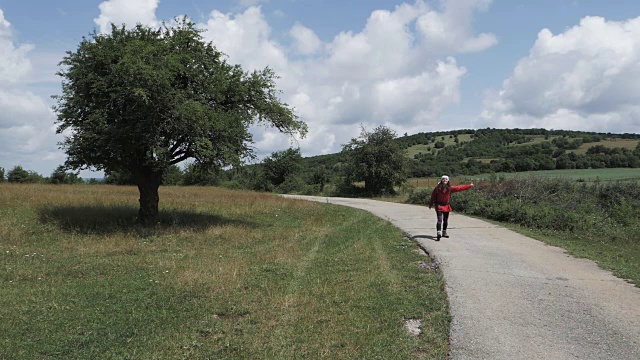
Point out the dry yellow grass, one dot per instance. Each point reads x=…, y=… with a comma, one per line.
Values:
x=225, y=274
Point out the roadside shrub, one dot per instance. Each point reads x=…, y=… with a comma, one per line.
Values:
x=419, y=196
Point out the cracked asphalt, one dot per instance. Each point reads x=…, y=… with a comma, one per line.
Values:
x=513, y=297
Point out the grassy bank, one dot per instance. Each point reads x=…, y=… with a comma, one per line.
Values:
x=225, y=275
x=598, y=221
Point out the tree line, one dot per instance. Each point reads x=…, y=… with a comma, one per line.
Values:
x=22, y=176
x=376, y=162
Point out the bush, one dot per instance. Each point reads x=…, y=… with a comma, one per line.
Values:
x=554, y=204
x=419, y=197
x=22, y=176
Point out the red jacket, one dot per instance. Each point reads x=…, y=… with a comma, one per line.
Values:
x=441, y=197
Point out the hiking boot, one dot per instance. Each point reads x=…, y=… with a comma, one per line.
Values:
x=444, y=234
x=438, y=236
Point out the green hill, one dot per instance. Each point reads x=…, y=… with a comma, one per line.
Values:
x=472, y=152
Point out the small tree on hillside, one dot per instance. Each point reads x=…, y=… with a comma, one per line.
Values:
x=281, y=164
x=1, y=174
x=18, y=175
x=376, y=159
x=173, y=176
x=197, y=174
x=22, y=176
x=61, y=176
x=141, y=100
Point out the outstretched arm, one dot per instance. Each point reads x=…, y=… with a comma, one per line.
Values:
x=461, y=187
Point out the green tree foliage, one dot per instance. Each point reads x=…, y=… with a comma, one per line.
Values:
x=1, y=174
x=61, y=176
x=199, y=174
x=173, y=176
x=320, y=176
x=118, y=177
x=376, y=159
x=281, y=165
x=144, y=99
x=20, y=175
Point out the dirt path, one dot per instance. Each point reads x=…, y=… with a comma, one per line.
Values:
x=513, y=297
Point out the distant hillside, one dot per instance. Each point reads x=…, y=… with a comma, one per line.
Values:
x=471, y=152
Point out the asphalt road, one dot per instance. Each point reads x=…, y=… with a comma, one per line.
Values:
x=513, y=297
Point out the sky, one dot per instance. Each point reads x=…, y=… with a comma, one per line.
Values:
x=344, y=65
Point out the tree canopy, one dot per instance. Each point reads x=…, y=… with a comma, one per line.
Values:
x=281, y=164
x=376, y=159
x=140, y=100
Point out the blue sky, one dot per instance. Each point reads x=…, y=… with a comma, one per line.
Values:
x=415, y=66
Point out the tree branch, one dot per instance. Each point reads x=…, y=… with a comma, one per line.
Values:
x=178, y=143
x=181, y=158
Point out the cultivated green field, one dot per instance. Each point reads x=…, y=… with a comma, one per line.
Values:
x=588, y=175
x=617, y=143
x=580, y=175
x=448, y=141
x=225, y=275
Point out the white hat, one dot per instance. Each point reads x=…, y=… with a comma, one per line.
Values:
x=444, y=177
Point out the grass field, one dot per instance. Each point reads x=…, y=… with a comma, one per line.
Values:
x=581, y=175
x=419, y=149
x=588, y=175
x=535, y=139
x=448, y=141
x=225, y=275
x=621, y=143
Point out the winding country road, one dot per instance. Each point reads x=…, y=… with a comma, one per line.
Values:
x=513, y=297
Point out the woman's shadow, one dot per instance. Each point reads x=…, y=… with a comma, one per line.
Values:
x=430, y=237
x=108, y=219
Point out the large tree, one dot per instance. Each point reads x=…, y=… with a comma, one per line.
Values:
x=140, y=100
x=377, y=159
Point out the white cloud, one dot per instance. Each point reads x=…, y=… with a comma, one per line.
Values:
x=245, y=38
x=18, y=107
x=27, y=130
x=388, y=73
x=305, y=40
x=451, y=31
x=14, y=63
x=126, y=12
x=584, y=78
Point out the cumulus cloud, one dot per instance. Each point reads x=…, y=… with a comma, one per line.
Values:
x=583, y=78
x=27, y=132
x=451, y=30
x=245, y=38
x=389, y=72
x=14, y=61
x=126, y=12
x=305, y=40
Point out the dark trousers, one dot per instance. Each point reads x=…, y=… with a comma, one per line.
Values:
x=443, y=220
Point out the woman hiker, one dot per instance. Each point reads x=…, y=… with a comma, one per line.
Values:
x=440, y=197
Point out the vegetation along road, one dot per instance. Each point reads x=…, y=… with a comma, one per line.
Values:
x=512, y=297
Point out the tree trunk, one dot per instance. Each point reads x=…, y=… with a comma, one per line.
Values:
x=149, y=199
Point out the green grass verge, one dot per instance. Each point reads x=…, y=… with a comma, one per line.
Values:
x=225, y=275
